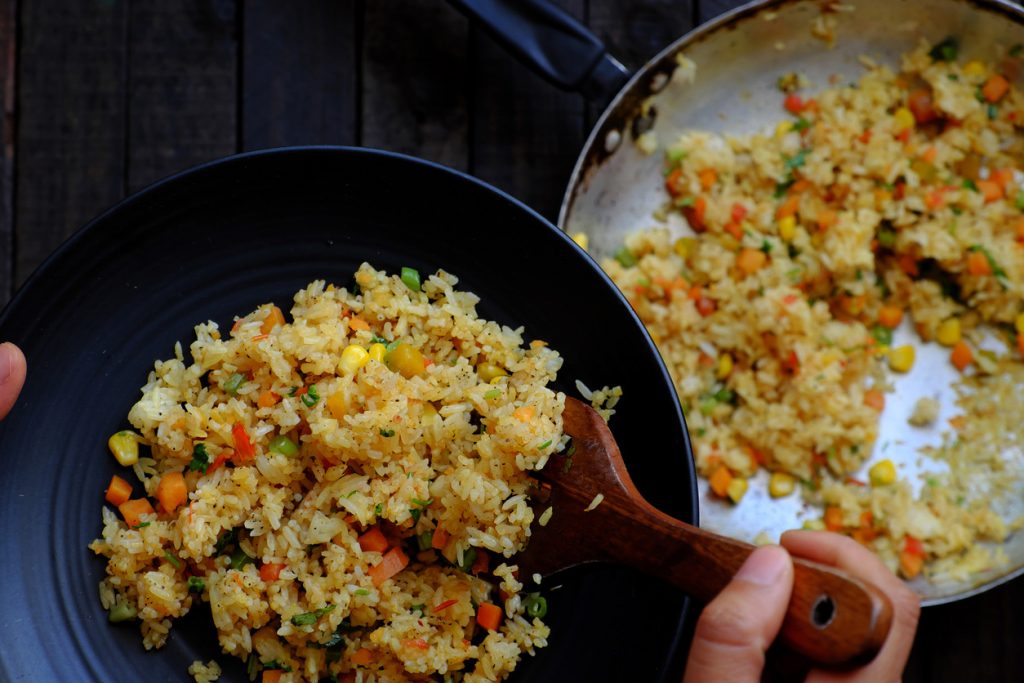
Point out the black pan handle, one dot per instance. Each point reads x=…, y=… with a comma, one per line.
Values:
x=552, y=43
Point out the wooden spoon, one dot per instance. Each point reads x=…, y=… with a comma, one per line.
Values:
x=833, y=619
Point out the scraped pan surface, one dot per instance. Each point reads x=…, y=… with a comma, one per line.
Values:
x=218, y=241
x=615, y=186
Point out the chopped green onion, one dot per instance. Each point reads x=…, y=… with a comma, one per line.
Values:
x=418, y=607
x=311, y=396
x=536, y=606
x=625, y=258
x=945, y=50
x=970, y=185
x=781, y=188
x=795, y=161
x=196, y=584
x=492, y=394
x=283, y=445
x=676, y=154
x=200, y=458
x=415, y=514
x=378, y=509
x=234, y=382
x=387, y=432
x=1016, y=50
x=274, y=665
x=411, y=278
x=707, y=404
x=468, y=559
x=309, y=618
x=141, y=525
x=391, y=346
x=1019, y=202
x=725, y=396
x=421, y=503
x=681, y=202
x=122, y=611
x=378, y=340
x=993, y=111
x=239, y=559
x=544, y=445
x=425, y=540
x=766, y=246
x=882, y=334
x=801, y=124
x=172, y=559
x=227, y=538
x=887, y=238
x=362, y=591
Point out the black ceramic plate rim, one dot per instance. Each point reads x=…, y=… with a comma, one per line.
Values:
x=49, y=268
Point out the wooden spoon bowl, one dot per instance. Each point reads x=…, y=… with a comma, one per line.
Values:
x=597, y=515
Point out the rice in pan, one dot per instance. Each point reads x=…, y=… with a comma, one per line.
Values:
x=336, y=487
x=899, y=196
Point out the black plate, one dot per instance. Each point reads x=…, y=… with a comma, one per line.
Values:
x=223, y=238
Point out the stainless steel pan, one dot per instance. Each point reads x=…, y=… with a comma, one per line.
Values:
x=615, y=186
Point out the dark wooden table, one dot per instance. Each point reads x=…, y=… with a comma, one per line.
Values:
x=101, y=97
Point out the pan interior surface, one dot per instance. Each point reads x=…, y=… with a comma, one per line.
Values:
x=738, y=59
x=217, y=242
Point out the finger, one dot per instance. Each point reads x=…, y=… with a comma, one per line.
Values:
x=736, y=628
x=845, y=553
x=12, y=376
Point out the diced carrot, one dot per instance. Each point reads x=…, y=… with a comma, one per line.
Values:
x=695, y=293
x=695, y=214
x=826, y=219
x=865, y=137
x=267, y=399
x=132, y=510
x=899, y=191
x=720, y=480
x=444, y=605
x=394, y=561
x=788, y=207
x=903, y=135
x=734, y=229
x=272, y=675
x=890, y=316
x=977, y=264
x=417, y=643
x=373, y=541
x=935, y=199
x=706, y=306
x=799, y=186
x=873, y=398
x=489, y=616
x=739, y=212
x=913, y=545
x=220, y=460
x=833, y=518
x=524, y=413
x=792, y=363
x=358, y=324
x=961, y=355
x=243, y=446
x=1018, y=229
x=990, y=190
x=707, y=177
x=1003, y=176
x=1020, y=343
x=812, y=105
x=271, y=571
x=482, y=563
x=171, y=491
x=929, y=154
x=274, y=318
x=440, y=539
x=672, y=182
x=751, y=260
x=118, y=491
x=908, y=264
x=910, y=564
x=362, y=656
x=920, y=104
x=995, y=87
x=793, y=103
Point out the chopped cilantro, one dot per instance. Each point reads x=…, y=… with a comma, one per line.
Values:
x=196, y=584
x=309, y=618
x=200, y=458
x=387, y=432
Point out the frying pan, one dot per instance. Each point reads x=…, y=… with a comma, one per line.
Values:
x=615, y=186
x=218, y=241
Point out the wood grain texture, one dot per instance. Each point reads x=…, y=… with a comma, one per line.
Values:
x=8, y=63
x=509, y=102
x=299, y=73
x=182, y=86
x=415, y=80
x=70, y=154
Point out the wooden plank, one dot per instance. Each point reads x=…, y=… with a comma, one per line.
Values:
x=71, y=121
x=300, y=73
x=183, y=62
x=8, y=52
x=414, y=80
x=526, y=133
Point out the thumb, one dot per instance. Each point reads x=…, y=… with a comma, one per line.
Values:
x=738, y=626
x=12, y=376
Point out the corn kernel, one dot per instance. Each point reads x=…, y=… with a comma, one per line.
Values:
x=814, y=524
x=737, y=489
x=724, y=366
x=377, y=352
x=337, y=404
x=406, y=360
x=882, y=473
x=685, y=246
x=353, y=358
x=901, y=358
x=904, y=119
x=781, y=484
x=787, y=228
x=1019, y=323
x=948, y=333
x=125, y=447
x=490, y=371
x=582, y=240
x=974, y=68
x=783, y=128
